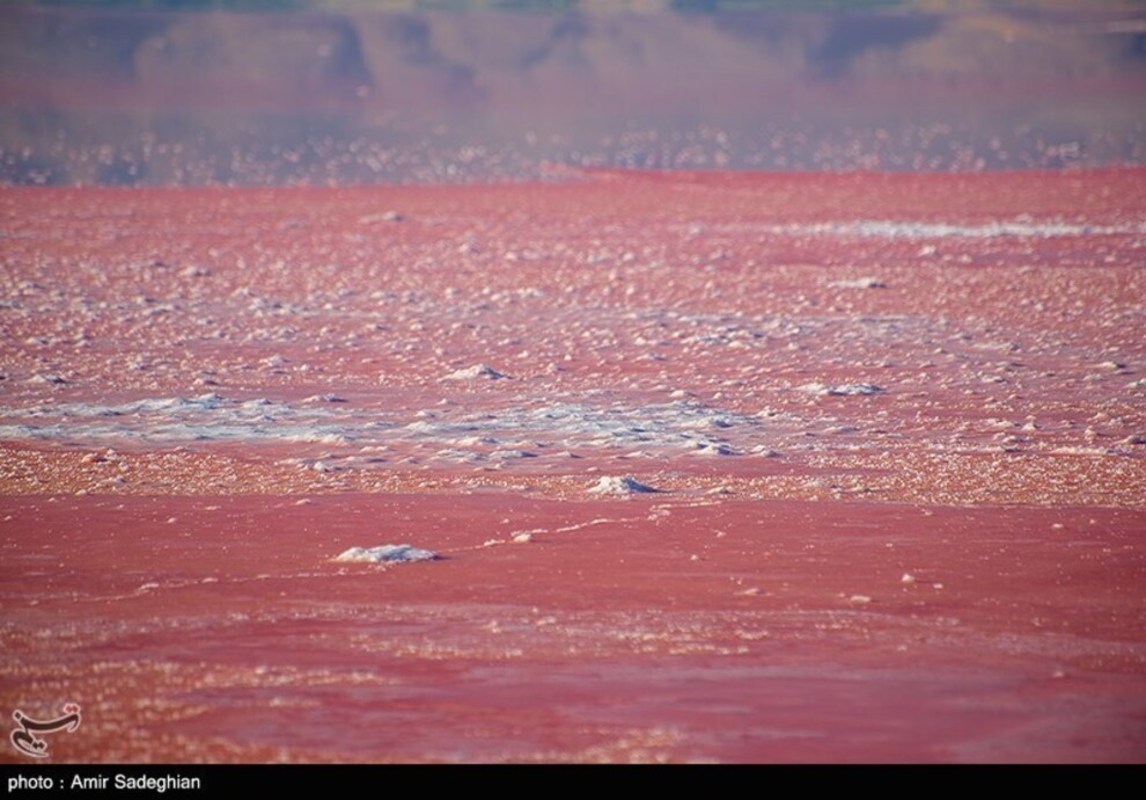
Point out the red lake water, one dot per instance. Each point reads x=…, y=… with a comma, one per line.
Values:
x=717, y=467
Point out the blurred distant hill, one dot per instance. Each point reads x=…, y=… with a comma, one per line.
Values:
x=336, y=91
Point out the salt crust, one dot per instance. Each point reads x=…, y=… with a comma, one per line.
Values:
x=401, y=553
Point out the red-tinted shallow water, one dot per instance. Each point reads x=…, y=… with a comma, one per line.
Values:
x=900, y=514
x=661, y=630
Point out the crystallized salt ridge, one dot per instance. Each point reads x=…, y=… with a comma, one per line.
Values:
x=614, y=485
x=387, y=552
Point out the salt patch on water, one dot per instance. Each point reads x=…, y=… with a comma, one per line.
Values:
x=476, y=372
x=205, y=418
x=621, y=486
x=400, y=553
x=714, y=449
x=842, y=390
x=511, y=434
x=859, y=283
x=324, y=398
x=678, y=426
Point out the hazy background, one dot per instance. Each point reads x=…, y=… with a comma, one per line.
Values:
x=306, y=91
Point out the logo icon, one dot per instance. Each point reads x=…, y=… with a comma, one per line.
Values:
x=25, y=739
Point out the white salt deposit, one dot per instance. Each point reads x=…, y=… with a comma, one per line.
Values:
x=714, y=449
x=620, y=486
x=533, y=432
x=859, y=283
x=476, y=372
x=401, y=553
x=842, y=390
x=528, y=431
x=892, y=229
